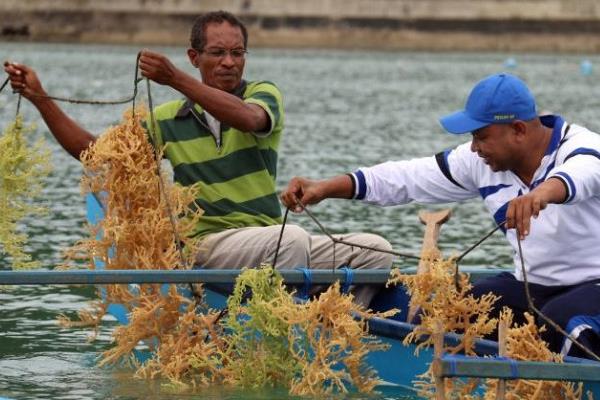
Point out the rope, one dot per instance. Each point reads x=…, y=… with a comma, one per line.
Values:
x=471, y=248
x=533, y=308
x=348, y=281
x=161, y=186
x=93, y=102
x=287, y=210
x=18, y=106
x=4, y=84
x=360, y=246
x=304, y=292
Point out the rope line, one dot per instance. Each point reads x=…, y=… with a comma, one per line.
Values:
x=360, y=246
x=94, y=102
x=161, y=185
x=18, y=107
x=471, y=248
x=285, y=216
x=4, y=84
x=533, y=308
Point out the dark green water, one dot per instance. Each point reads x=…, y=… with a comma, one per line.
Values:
x=344, y=110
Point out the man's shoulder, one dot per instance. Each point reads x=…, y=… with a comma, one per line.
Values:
x=168, y=110
x=579, y=137
x=261, y=86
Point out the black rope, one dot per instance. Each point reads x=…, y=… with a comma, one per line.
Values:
x=161, y=188
x=460, y=257
x=360, y=246
x=18, y=106
x=94, y=102
x=287, y=210
x=135, y=82
x=4, y=84
x=533, y=308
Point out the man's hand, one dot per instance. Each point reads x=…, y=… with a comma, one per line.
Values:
x=24, y=80
x=158, y=68
x=302, y=189
x=307, y=191
x=521, y=209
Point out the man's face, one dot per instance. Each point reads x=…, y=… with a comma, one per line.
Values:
x=496, y=145
x=221, y=61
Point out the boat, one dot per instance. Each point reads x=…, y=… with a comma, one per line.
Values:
x=398, y=367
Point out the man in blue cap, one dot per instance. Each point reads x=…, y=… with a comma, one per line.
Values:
x=519, y=163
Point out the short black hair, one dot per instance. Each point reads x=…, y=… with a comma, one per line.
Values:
x=198, y=34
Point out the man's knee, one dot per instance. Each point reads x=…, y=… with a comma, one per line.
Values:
x=378, y=256
x=294, y=250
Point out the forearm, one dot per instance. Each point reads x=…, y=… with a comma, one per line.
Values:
x=338, y=187
x=552, y=190
x=224, y=106
x=72, y=137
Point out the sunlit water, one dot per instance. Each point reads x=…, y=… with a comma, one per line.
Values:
x=343, y=110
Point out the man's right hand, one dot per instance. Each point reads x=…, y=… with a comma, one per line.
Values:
x=24, y=80
x=301, y=191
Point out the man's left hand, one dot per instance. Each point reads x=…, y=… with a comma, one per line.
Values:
x=521, y=209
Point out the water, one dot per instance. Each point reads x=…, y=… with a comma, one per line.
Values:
x=343, y=110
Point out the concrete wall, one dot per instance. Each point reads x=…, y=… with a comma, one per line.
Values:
x=543, y=25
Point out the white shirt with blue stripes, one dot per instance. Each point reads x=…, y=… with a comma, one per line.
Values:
x=563, y=247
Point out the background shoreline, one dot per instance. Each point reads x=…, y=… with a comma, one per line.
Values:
x=568, y=26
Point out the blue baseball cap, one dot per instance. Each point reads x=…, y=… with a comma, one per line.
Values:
x=497, y=99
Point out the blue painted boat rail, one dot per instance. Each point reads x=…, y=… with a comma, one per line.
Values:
x=505, y=368
x=94, y=277
x=221, y=276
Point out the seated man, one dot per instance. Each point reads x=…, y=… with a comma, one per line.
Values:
x=223, y=135
x=520, y=164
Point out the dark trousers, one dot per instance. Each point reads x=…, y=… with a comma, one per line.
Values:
x=576, y=309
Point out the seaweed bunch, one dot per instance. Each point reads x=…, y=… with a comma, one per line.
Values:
x=146, y=219
x=446, y=305
x=23, y=168
x=259, y=344
x=269, y=339
x=336, y=342
x=525, y=343
x=140, y=229
x=442, y=297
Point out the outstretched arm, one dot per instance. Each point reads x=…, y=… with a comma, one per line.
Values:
x=523, y=208
x=223, y=106
x=307, y=191
x=71, y=136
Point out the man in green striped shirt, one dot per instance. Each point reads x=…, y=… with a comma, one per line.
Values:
x=222, y=136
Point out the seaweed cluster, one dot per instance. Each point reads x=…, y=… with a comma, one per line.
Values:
x=23, y=167
x=446, y=305
x=269, y=339
x=525, y=343
x=146, y=220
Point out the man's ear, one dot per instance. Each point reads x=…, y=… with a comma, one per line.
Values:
x=520, y=128
x=193, y=56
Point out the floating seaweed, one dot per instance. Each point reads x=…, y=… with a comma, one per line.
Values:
x=447, y=305
x=269, y=339
x=138, y=231
x=525, y=343
x=23, y=168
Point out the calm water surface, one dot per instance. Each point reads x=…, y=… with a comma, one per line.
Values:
x=343, y=110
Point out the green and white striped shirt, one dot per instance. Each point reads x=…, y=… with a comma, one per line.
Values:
x=234, y=171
